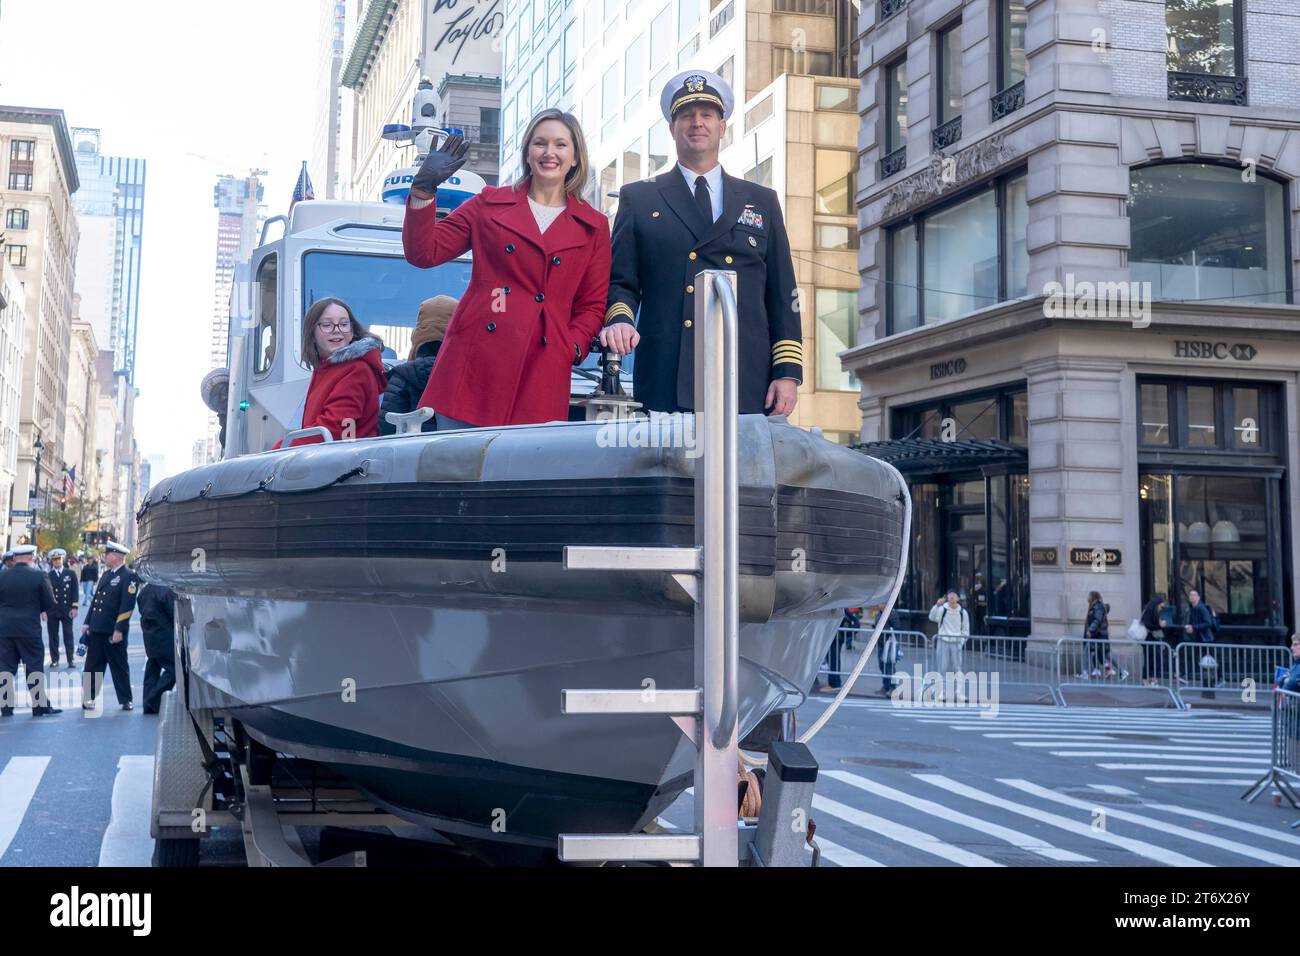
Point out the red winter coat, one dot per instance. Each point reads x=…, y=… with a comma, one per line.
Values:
x=345, y=388
x=533, y=303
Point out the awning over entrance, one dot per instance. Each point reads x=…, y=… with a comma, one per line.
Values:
x=913, y=456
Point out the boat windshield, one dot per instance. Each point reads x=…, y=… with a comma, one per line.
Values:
x=384, y=292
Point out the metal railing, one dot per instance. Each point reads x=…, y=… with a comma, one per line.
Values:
x=1284, y=760
x=1238, y=670
x=1234, y=674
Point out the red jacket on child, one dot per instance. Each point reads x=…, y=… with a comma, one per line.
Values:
x=344, y=391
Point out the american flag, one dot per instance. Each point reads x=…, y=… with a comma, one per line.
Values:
x=302, y=189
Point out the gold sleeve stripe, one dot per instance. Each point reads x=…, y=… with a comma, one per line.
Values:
x=787, y=361
x=123, y=617
x=619, y=308
x=788, y=353
x=793, y=342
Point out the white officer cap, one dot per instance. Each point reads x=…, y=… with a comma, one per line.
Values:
x=119, y=548
x=23, y=549
x=58, y=553
x=696, y=86
x=6, y=556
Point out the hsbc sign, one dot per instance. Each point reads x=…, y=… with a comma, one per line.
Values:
x=1221, y=351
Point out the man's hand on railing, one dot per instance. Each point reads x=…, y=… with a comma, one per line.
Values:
x=620, y=338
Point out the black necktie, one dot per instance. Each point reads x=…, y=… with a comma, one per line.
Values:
x=702, y=201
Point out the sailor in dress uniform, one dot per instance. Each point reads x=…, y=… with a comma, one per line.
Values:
x=25, y=596
x=64, y=582
x=691, y=217
x=107, y=624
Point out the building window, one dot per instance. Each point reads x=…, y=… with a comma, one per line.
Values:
x=661, y=37
x=660, y=147
x=1154, y=414
x=608, y=188
x=17, y=255
x=1012, y=63
x=833, y=175
x=720, y=19
x=20, y=181
x=688, y=17
x=761, y=174
x=22, y=150
x=609, y=98
x=838, y=98
x=896, y=105
x=632, y=162
x=803, y=62
x=512, y=51
x=685, y=53
x=555, y=66
x=816, y=8
x=961, y=257
x=16, y=218
x=948, y=96
x=1207, y=416
x=1198, y=232
x=489, y=119
x=837, y=327
x=1204, y=52
x=634, y=74
x=570, y=46
x=833, y=235
x=762, y=110
x=728, y=71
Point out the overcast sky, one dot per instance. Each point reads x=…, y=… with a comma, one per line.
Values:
x=197, y=88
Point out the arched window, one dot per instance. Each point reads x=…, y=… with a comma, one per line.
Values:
x=1204, y=232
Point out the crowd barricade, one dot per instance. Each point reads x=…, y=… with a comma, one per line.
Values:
x=1018, y=662
x=1284, y=762
x=1240, y=673
x=1234, y=674
x=912, y=646
x=1115, y=665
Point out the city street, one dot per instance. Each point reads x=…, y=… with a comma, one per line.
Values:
x=899, y=786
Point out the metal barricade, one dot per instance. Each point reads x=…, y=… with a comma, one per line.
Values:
x=1012, y=662
x=912, y=648
x=1284, y=763
x=1115, y=665
x=1242, y=672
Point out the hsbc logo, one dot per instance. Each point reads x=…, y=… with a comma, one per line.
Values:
x=1220, y=351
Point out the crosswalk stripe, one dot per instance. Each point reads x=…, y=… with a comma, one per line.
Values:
x=843, y=856
x=916, y=839
x=1182, y=768
x=126, y=840
x=1164, y=826
x=1249, y=761
x=1139, y=847
x=18, y=783
x=1280, y=835
x=1243, y=782
x=1017, y=839
x=1111, y=788
x=1182, y=749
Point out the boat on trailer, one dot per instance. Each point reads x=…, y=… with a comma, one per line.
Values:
x=395, y=616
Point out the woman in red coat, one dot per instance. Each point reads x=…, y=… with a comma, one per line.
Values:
x=347, y=376
x=537, y=291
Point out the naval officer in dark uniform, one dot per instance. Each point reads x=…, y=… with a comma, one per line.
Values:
x=107, y=624
x=25, y=597
x=156, y=604
x=692, y=217
x=63, y=581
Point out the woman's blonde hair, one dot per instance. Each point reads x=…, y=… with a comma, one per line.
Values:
x=310, y=354
x=575, y=181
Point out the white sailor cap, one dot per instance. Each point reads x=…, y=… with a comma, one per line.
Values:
x=58, y=553
x=114, y=546
x=24, y=549
x=6, y=556
x=696, y=86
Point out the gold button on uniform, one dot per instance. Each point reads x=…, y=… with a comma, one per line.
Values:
x=690, y=288
x=727, y=260
x=687, y=323
x=691, y=256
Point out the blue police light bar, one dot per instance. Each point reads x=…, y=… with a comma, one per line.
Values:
x=396, y=131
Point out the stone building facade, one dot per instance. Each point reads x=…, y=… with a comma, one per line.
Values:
x=1078, y=334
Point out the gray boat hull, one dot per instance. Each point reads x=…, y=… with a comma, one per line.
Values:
x=420, y=647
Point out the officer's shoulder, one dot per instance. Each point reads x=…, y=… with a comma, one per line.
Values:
x=636, y=190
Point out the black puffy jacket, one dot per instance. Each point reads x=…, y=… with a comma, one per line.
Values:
x=405, y=386
x=1097, y=626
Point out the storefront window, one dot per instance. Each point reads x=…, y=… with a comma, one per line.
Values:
x=923, y=583
x=902, y=290
x=1018, y=433
x=1223, y=544
x=1155, y=414
x=1200, y=417
x=1245, y=419
x=1200, y=232
x=977, y=420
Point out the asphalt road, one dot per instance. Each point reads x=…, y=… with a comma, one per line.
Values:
x=899, y=786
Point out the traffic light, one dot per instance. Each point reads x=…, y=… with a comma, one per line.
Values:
x=63, y=502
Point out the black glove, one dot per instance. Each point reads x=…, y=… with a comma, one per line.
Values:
x=441, y=164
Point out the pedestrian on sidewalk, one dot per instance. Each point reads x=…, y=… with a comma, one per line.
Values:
x=106, y=628
x=954, y=629
x=25, y=598
x=89, y=578
x=1152, y=662
x=1202, y=627
x=1096, y=631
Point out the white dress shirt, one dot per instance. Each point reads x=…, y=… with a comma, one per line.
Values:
x=713, y=179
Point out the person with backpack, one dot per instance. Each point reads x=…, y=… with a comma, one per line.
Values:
x=1202, y=627
x=954, y=628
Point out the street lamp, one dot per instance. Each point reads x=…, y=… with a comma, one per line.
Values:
x=37, y=446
